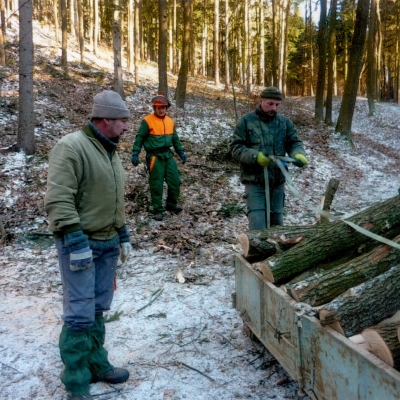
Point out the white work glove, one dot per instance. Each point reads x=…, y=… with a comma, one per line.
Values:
x=126, y=249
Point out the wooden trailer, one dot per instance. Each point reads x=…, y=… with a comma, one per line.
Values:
x=326, y=365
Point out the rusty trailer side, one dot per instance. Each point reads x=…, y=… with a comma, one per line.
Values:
x=326, y=365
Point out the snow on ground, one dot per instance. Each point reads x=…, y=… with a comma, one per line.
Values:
x=179, y=341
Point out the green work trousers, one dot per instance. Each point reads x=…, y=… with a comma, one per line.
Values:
x=161, y=170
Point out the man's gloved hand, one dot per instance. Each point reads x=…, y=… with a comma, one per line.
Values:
x=126, y=249
x=262, y=160
x=81, y=259
x=301, y=160
x=182, y=155
x=135, y=158
x=80, y=252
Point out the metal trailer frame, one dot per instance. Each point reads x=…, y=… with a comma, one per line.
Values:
x=326, y=364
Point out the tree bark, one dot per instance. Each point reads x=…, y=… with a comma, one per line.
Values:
x=180, y=92
x=26, y=119
x=319, y=94
x=382, y=218
x=162, y=48
x=323, y=287
x=259, y=245
x=364, y=305
x=355, y=65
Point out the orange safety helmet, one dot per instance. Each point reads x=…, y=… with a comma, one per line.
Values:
x=160, y=100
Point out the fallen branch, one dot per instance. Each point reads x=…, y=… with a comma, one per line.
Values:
x=155, y=295
x=194, y=369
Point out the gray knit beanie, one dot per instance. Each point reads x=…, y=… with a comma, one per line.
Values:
x=109, y=104
x=271, y=92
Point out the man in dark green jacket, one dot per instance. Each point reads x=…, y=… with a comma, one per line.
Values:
x=85, y=204
x=157, y=135
x=258, y=136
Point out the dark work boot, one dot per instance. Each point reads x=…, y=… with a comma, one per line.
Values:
x=176, y=209
x=116, y=375
x=158, y=217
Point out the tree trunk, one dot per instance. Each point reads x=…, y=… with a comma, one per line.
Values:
x=364, y=305
x=26, y=120
x=216, y=43
x=319, y=96
x=81, y=31
x=64, y=36
x=382, y=341
x=382, y=218
x=355, y=65
x=180, y=92
x=118, y=84
x=371, y=60
x=259, y=245
x=162, y=48
x=331, y=63
x=323, y=287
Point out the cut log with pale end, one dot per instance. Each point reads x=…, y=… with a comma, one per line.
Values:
x=336, y=239
x=382, y=341
x=323, y=287
x=261, y=244
x=364, y=305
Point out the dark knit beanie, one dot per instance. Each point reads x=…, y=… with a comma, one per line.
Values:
x=271, y=92
x=109, y=104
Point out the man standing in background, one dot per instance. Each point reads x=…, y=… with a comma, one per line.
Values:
x=258, y=137
x=157, y=135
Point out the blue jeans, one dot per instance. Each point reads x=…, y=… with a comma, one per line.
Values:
x=89, y=292
x=256, y=207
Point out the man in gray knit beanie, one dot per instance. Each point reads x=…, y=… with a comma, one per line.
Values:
x=109, y=104
x=86, y=208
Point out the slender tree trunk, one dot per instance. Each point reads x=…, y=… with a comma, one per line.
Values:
x=137, y=40
x=26, y=120
x=319, y=96
x=227, y=63
x=331, y=62
x=131, y=44
x=64, y=36
x=180, y=92
x=216, y=43
x=96, y=25
x=355, y=63
x=55, y=20
x=204, y=34
x=371, y=59
x=118, y=84
x=81, y=31
x=262, y=44
x=162, y=48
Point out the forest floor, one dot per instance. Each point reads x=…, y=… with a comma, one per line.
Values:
x=178, y=340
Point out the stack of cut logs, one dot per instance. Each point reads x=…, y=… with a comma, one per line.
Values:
x=350, y=280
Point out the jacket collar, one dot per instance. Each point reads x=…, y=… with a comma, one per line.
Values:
x=91, y=131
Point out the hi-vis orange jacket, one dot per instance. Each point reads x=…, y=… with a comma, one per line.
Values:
x=157, y=135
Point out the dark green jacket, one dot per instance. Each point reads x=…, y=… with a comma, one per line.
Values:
x=257, y=132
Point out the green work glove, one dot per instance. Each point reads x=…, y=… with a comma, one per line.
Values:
x=301, y=160
x=262, y=160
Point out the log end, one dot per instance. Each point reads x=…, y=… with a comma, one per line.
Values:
x=263, y=268
x=377, y=345
x=244, y=242
x=323, y=314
